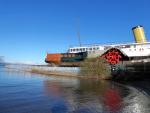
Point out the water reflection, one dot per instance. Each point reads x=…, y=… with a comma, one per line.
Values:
x=90, y=96
x=54, y=91
x=112, y=100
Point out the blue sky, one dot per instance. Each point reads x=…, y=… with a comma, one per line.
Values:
x=30, y=28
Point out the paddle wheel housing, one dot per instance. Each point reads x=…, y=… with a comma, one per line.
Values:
x=113, y=56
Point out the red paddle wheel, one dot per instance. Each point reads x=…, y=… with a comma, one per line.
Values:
x=113, y=56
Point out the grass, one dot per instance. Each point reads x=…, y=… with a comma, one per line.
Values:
x=95, y=68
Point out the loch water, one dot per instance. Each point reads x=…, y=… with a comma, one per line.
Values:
x=33, y=93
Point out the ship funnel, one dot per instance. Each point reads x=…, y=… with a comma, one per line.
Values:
x=139, y=34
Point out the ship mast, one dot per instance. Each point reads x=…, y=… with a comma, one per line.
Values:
x=78, y=32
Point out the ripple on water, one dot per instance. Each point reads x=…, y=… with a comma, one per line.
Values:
x=22, y=94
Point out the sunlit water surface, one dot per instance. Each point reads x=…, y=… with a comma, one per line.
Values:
x=32, y=93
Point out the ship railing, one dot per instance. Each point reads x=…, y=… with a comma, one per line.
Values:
x=110, y=44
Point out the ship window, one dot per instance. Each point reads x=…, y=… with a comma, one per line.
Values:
x=69, y=55
x=73, y=55
x=77, y=49
x=90, y=49
x=127, y=46
x=83, y=49
x=97, y=48
x=73, y=49
x=94, y=48
x=80, y=49
x=65, y=55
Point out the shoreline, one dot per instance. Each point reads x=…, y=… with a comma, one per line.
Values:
x=47, y=71
x=64, y=74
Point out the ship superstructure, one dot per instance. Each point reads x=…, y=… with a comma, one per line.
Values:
x=130, y=50
x=113, y=53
